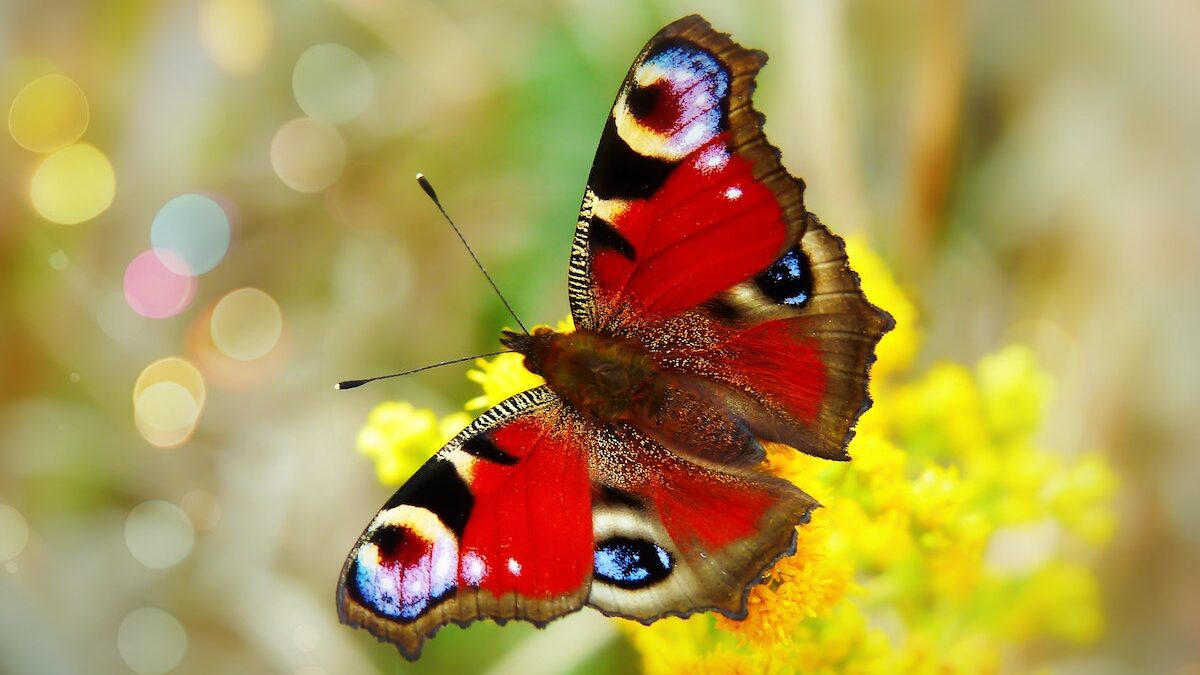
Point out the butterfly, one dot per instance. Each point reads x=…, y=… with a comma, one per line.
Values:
x=712, y=314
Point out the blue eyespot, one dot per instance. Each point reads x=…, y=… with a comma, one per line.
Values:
x=687, y=62
x=788, y=281
x=631, y=563
x=400, y=572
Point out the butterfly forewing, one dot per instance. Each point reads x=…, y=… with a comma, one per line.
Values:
x=685, y=197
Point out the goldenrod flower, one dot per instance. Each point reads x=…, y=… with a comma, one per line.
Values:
x=400, y=438
x=500, y=378
x=505, y=375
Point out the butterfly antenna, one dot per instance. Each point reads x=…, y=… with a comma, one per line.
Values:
x=350, y=384
x=433, y=195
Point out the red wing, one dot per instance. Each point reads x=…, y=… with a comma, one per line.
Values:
x=789, y=349
x=685, y=198
x=679, y=537
x=693, y=240
x=497, y=525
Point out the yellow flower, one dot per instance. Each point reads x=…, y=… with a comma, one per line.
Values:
x=500, y=378
x=671, y=645
x=898, y=348
x=1060, y=599
x=803, y=585
x=505, y=375
x=400, y=438
x=938, y=415
x=1079, y=497
x=1013, y=391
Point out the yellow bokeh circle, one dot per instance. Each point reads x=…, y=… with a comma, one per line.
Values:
x=48, y=113
x=246, y=324
x=308, y=156
x=236, y=34
x=167, y=406
x=73, y=185
x=167, y=400
x=14, y=532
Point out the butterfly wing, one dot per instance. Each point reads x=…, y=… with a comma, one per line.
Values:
x=533, y=511
x=694, y=240
x=496, y=525
x=685, y=197
x=682, y=537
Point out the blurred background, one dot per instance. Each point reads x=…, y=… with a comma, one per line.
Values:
x=178, y=480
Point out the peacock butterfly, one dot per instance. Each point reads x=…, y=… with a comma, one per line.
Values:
x=713, y=313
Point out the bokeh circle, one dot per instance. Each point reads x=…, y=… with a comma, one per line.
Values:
x=14, y=533
x=236, y=34
x=49, y=113
x=73, y=185
x=151, y=641
x=153, y=289
x=246, y=324
x=168, y=398
x=332, y=84
x=159, y=534
x=308, y=156
x=190, y=234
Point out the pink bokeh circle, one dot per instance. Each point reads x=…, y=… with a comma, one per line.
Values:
x=153, y=290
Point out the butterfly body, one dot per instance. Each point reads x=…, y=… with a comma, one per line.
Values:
x=606, y=379
x=610, y=380
x=712, y=314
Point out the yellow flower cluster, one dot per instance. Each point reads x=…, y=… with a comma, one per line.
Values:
x=400, y=438
x=950, y=541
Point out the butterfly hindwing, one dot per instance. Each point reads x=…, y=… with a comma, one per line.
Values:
x=534, y=511
x=680, y=537
x=496, y=525
x=808, y=310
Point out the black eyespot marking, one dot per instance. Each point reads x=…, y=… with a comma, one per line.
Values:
x=438, y=487
x=484, y=448
x=721, y=309
x=631, y=563
x=602, y=233
x=788, y=281
x=643, y=100
x=620, y=172
x=391, y=540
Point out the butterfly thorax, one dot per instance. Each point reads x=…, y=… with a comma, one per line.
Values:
x=605, y=378
x=612, y=379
